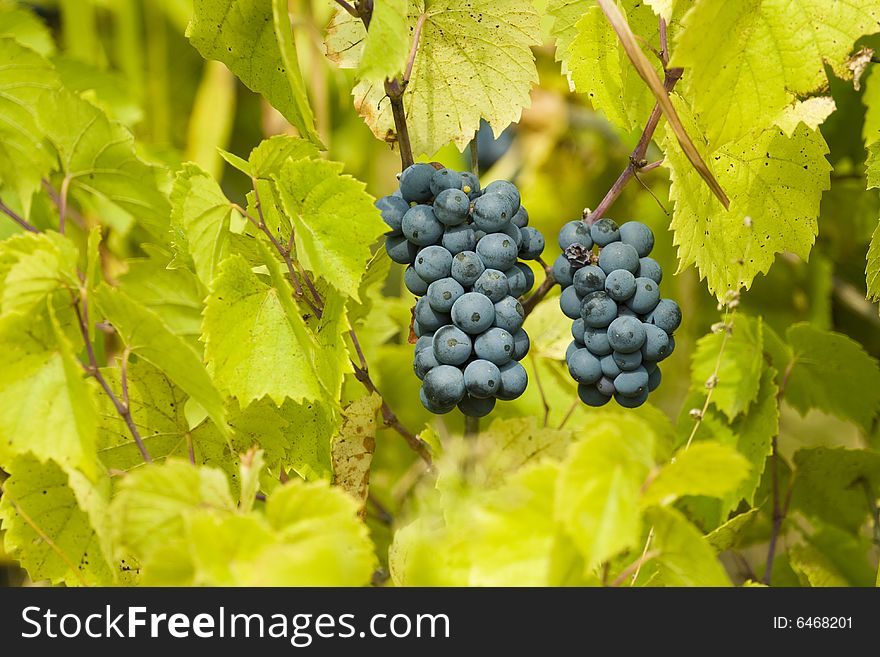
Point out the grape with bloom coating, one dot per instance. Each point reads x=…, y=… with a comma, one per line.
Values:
x=513, y=381
x=451, y=207
x=392, y=209
x=482, y=378
x=495, y=345
x=442, y=293
x=575, y=232
x=433, y=263
x=420, y=226
x=473, y=313
x=493, y=284
x=452, y=346
x=415, y=182
x=498, y=251
x=467, y=267
x=509, y=314
x=604, y=232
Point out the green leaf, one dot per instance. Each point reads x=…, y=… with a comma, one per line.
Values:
x=745, y=61
x=352, y=449
x=813, y=567
x=706, y=468
x=145, y=334
x=271, y=154
x=32, y=267
x=812, y=112
x=831, y=372
x=871, y=101
x=727, y=535
x=109, y=90
x=831, y=484
x=601, y=69
x=334, y=219
x=850, y=555
x=662, y=8
x=754, y=436
x=566, y=14
x=98, y=157
x=256, y=342
x=42, y=500
x=448, y=94
x=254, y=39
x=150, y=506
x=200, y=219
x=26, y=28
x=386, y=45
x=597, y=495
x=46, y=406
x=739, y=364
x=24, y=79
x=685, y=558
x=872, y=271
x=774, y=183
x=250, y=468
x=212, y=119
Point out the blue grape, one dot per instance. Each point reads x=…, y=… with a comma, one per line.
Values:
x=562, y=271
x=632, y=383
x=532, y=243
x=626, y=334
x=428, y=318
x=632, y=402
x=491, y=212
x=605, y=386
x=654, y=378
x=393, y=208
x=570, y=302
x=513, y=381
x=452, y=346
x=609, y=367
x=521, y=218
x=459, y=238
x=604, y=232
x=521, y=344
x=475, y=406
x=517, y=282
x=620, y=284
x=473, y=313
x=670, y=349
x=509, y=314
x=666, y=315
x=482, y=378
x=588, y=279
x=506, y=190
x=444, y=179
x=493, y=284
x=656, y=345
x=627, y=362
x=598, y=310
x=584, y=367
x=650, y=268
x=638, y=236
x=575, y=232
x=451, y=207
x=495, y=345
x=498, y=251
x=626, y=311
x=442, y=293
x=425, y=342
x=514, y=233
x=618, y=255
x=424, y=361
x=433, y=263
x=414, y=283
x=573, y=346
x=444, y=385
x=591, y=396
x=470, y=184
x=400, y=249
x=417, y=329
x=415, y=182
x=577, y=329
x=596, y=340
x=480, y=234
x=420, y=226
x=646, y=296
x=467, y=267
x=528, y=273
x=435, y=408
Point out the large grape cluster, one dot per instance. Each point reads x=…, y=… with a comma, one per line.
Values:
x=462, y=246
x=622, y=328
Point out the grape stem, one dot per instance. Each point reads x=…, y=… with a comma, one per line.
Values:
x=17, y=218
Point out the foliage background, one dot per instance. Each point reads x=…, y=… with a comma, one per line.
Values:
x=528, y=502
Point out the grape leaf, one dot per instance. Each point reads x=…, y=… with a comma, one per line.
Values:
x=109, y=90
x=831, y=372
x=449, y=92
x=32, y=267
x=334, y=219
x=353, y=448
x=813, y=567
x=46, y=406
x=812, y=112
x=270, y=155
x=745, y=61
x=774, y=184
x=69, y=510
x=871, y=101
x=662, y=8
x=727, y=535
x=26, y=28
x=566, y=14
x=145, y=334
x=707, y=468
x=872, y=271
x=685, y=558
x=739, y=365
x=386, y=45
x=601, y=69
x=200, y=219
x=253, y=38
x=754, y=433
x=24, y=160
x=599, y=486
x=256, y=342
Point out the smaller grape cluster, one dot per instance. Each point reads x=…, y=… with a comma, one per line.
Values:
x=622, y=328
x=462, y=246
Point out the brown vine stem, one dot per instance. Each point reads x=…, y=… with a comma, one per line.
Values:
x=17, y=218
x=349, y=8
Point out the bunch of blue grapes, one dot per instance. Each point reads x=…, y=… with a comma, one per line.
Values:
x=462, y=246
x=622, y=328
